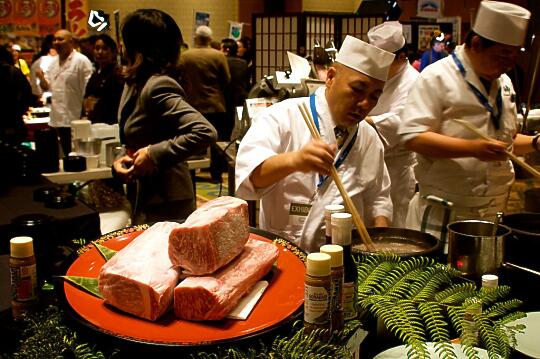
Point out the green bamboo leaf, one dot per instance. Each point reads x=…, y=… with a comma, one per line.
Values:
x=107, y=253
x=88, y=284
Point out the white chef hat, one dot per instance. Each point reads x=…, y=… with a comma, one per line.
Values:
x=365, y=58
x=16, y=47
x=387, y=36
x=502, y=22
x=203, y=31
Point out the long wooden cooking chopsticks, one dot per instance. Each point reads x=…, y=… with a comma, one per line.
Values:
x=360, y=227
x=514, y=158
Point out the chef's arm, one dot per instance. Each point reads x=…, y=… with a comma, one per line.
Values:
x=524, y=144
x=435, y=145
x=316, y=156
x=380, y=221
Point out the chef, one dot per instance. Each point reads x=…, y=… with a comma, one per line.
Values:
x=386, y=116
x=460, y=175
x=279, y=163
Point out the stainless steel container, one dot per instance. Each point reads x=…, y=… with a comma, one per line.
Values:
x=87, y=146
x=474, y=249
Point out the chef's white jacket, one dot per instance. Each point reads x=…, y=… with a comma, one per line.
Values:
x=399, y=161
x=478, y=189
x=280, y=128
x=67, y=85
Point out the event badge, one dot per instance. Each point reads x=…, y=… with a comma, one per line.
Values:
x=298, y=213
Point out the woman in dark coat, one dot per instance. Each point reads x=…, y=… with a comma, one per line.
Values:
x=158, y=128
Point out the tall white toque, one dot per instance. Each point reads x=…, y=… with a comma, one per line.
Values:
x=365, y=58
x=387, y=36
x=502, y=22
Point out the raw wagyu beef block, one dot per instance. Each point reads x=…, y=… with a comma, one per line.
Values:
x=212, y=297
x=140, y=278
x=211, y=236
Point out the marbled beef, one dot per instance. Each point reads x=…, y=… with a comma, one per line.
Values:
x=211, y=236
x=140, y=278
x=213, y=297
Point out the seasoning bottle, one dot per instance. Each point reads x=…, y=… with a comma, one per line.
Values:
x=22, y=268
x=317, y=292
x=328, y=210
x=336, y=265
x=490, y=281
x=341, y=235
x=470, y=328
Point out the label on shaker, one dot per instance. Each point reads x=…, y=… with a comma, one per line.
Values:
x=23, y=283
x=316, y=305
x=349, y=302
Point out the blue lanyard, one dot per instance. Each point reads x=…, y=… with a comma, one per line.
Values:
x=343, y=155
x=495, y=117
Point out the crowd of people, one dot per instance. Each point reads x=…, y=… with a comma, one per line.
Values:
x=387, y=128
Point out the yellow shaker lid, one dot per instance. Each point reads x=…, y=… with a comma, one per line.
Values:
x=21, y=247
x=339, y=218
x=335, y=252
x=318, y=264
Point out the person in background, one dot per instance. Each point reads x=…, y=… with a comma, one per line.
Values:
x=245, y=52
x=15, y=99
x=386, y=116
x=205, y=75
x=158, y=128
x=19, y=62
x=67, y=77
x=435, y=53
x=103, y=91
x=237, y=90
x=455, y=165
x=281, y=164
x=40, y=65
x=86, y=47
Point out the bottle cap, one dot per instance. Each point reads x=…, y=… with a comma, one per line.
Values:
x=339, y=218
x=490, y=281
x=21, y=247
x=318, y=264
x=333, y=208
x=336, y=254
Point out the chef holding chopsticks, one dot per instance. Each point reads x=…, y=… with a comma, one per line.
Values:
x=455, y=100
x=281, y=164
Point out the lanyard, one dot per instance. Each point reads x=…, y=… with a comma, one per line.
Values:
x=480, y=96
x=343, y=154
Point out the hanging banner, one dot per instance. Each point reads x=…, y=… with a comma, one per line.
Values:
x=77, y=16
x=25, y=13
x=235, y=30
x=49, y=19
x=430, y=8
x=6, y=12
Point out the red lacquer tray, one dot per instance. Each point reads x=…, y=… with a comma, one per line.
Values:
x=281, y=302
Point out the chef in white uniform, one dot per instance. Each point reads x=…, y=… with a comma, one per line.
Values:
x=279, y=163
x=460, y=175
x=386, y=116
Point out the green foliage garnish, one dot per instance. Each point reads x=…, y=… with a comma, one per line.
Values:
x=105, y=252
x=88, y=284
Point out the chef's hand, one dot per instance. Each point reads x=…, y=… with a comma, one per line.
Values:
x=142, y=163
x=316, y=156
x=489, y=150
x=123, y=168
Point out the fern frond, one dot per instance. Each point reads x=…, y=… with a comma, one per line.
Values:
x=456, y=293
x=490, y=295
x=487, y=335
x=434, y=320
x=502, y=308
x=432, y=285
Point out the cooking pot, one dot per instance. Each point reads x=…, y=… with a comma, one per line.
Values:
x=402, y=242
x=523, y=245
x=474, y=249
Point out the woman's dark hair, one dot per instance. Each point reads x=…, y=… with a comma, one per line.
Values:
x=107, y=40
x=246, y=41
x=5, y=56
x=152, y=41
x=231, y=46
x=484, y=43
x=46, y=46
